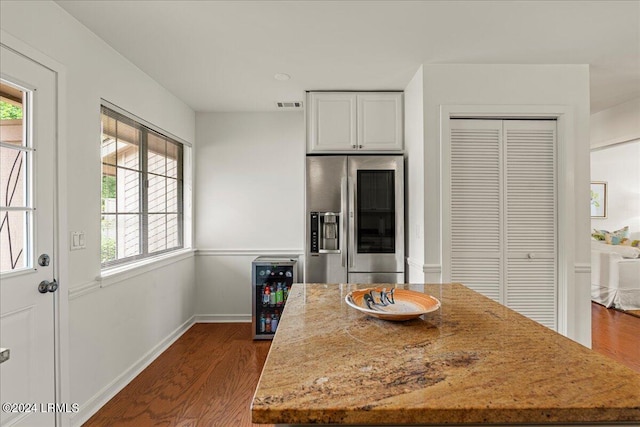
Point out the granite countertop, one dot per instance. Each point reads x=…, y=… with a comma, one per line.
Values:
x=473, y=361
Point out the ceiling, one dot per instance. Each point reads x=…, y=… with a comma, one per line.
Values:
x=223, y=55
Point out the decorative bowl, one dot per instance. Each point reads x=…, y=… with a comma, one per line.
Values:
x=392, y=303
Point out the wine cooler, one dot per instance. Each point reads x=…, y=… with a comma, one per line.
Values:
x=271, y=280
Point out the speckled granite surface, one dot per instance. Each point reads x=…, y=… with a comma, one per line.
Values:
x=473, y=361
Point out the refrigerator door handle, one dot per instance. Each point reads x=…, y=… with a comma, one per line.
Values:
x=343, y=219
x=352, y=221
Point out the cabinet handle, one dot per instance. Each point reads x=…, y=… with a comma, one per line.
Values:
x=359, y=146
x=354, y=146
x=4, y=354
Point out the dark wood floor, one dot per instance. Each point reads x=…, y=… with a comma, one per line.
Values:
x=208, y=376
x=616, y=334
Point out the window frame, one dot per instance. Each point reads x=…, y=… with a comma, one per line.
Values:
x=182, y=177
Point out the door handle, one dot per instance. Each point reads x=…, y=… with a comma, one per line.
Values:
x=343, y=221
x=47, y=286
x=352, y=221
x=4, y=354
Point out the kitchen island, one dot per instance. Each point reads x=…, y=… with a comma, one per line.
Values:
x=473, y=361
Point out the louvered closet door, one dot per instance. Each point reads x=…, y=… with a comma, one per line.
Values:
x=476, y=231
x=531, y=219
x=502, y=213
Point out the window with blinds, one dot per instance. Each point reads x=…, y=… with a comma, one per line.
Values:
x=142, y=191
x=502, y=210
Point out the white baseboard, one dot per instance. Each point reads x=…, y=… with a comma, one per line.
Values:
x=91, y=406
x=222, y=318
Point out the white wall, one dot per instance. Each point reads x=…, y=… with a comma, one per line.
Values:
x=616, y=124
x=112, y=330
x=619, y=166
x=414, y=188
x=514, y=85
x=252, y=205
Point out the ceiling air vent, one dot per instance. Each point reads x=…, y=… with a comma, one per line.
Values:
x=290, y=105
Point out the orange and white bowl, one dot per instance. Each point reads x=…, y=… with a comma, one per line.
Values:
x=407, y=304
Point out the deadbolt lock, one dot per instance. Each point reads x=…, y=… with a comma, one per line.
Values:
x=43, y=260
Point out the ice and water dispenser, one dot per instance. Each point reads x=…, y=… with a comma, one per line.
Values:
x=325, y=232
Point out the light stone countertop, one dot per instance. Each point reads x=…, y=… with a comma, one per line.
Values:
x=472, y=362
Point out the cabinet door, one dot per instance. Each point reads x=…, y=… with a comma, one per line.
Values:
x=475, y=196
x=380, y=125
x=530, y=212
x=331, y=123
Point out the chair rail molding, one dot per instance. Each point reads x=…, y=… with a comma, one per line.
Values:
x=249, y=252
x=425, y=268
x=83, y=289
x=582, y=268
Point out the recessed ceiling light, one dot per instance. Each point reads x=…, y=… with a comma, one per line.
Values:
x=282, y=77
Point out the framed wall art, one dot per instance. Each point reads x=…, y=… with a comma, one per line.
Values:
x=598, y=199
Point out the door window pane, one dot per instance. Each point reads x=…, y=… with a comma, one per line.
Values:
x=13, y=167
x=13, y=239
x=376, y=212
x=15, y=177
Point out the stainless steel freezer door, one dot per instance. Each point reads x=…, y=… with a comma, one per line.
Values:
x=326, y=191
x=324, y=178
x=376, y=214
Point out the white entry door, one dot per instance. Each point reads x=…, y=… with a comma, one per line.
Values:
x=27, y=258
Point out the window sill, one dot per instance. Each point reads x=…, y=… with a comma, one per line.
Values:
x=118, y=274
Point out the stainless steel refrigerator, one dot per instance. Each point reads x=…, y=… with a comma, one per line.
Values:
x=354, y=219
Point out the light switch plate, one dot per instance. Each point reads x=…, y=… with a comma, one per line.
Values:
x=77, y=240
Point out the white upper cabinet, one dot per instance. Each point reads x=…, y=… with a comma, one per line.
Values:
x=380, y=121
x=331, y=122
x=354, y=121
